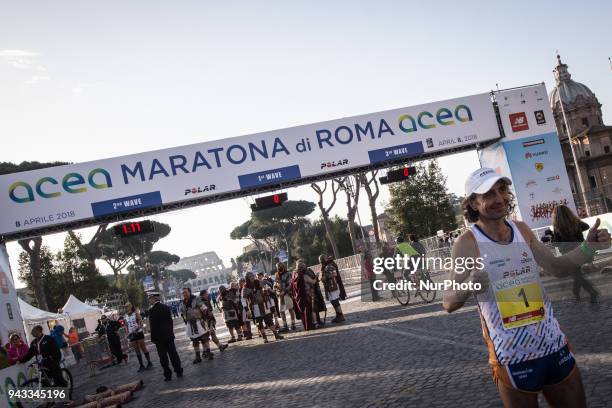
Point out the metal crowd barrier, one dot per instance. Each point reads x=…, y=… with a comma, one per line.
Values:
x=96, y=351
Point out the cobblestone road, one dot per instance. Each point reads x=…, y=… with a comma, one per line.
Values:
x=385, y=355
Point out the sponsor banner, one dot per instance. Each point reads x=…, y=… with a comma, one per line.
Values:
x=9, y=378
x=282, y=255
x=525, y=112
x=10, y=321
x=494, y=156
x=65, y=194
x=539, y=177
x=148, y=283
x=10, y=315
x=530, y=155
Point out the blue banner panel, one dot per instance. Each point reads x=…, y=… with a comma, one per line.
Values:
x=396, y=152
x=124, y=204
x=266, y=177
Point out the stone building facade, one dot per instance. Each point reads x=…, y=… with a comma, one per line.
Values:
x=591, y=142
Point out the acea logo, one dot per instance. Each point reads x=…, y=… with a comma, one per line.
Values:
x=48, y=187
x=443, y=116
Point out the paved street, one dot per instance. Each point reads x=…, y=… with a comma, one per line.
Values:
x=386, y=355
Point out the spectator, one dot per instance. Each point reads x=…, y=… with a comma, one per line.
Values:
x=162, y=335
x=57, y=334
x=211, y=296
x=368, y=268
x=548, y=236
x=114, y=341
x=567, y=235
x=4, y=361
x=16, y=348
x=75, y=345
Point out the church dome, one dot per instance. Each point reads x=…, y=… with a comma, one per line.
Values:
x=568, y=90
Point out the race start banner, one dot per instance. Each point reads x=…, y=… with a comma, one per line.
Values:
x=530, y=155
x=104, y=189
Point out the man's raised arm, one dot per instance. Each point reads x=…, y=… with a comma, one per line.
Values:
x=464, y=247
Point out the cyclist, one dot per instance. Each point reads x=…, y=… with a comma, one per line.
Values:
x=528, y=351
x=44, y=346
x=406, y=249
x=414, y=243
x=388, y=252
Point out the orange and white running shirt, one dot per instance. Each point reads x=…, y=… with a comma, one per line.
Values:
x=517, y=317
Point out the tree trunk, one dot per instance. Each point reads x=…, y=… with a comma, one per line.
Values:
x=37, y=284
x=86, y=249
x=351, y=230
x=330, y=236
x=352, y=202
x=335, y=185
x=372, y=196
x=374, y=220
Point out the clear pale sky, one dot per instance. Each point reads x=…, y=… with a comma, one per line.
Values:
x=82, y=81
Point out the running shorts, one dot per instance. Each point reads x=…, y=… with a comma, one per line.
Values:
x=534, y=375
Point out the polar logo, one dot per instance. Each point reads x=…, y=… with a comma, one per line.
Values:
x=198, y=190
x=342, y=162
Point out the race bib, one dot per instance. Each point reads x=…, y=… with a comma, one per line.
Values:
x=520, y=303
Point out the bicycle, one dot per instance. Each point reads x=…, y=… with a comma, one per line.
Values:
x=396, y=276
x=425, y=288
x=425, y=291
x=41, y=378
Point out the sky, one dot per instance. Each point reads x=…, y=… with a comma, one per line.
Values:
x=82, y=81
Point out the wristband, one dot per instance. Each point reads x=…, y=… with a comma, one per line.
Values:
x=587, y=251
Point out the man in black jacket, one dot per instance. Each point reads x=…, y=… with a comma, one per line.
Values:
x=45, y=347
x=162, y=335
x=109, y=328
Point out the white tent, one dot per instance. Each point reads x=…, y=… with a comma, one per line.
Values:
x=33, y=316
x=76, y=310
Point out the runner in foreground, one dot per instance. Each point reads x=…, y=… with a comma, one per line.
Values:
x=528, y=352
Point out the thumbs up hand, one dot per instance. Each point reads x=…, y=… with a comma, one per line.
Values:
x=598, y=238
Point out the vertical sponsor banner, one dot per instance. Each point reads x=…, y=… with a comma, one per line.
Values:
x=495, y=157
x=10, y=321
x=537, y=165
x=10, y=315
x=533, y=156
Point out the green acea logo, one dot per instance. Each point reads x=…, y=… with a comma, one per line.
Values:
x=47, y=187
x=426, y=120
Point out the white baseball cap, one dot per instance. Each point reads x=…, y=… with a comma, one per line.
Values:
x=481, y=181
